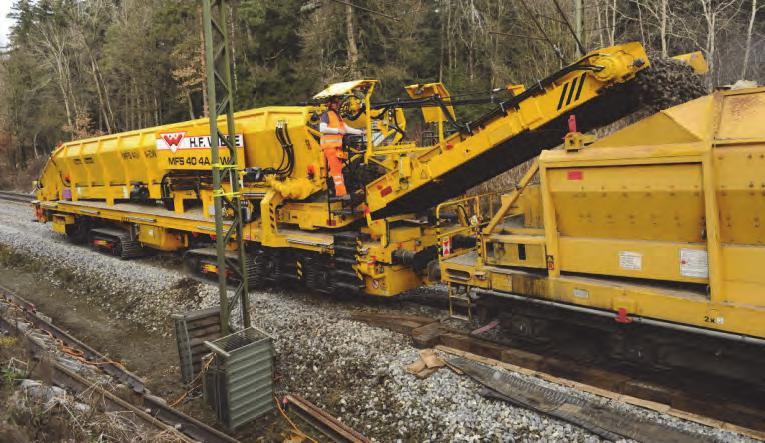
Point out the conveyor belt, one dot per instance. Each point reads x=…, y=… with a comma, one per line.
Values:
x=613, y=104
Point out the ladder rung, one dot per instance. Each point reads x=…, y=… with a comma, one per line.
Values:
x=460, y=297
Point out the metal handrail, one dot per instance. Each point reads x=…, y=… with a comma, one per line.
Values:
x=472, y=227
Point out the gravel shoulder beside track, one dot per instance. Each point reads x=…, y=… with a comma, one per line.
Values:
x=354, y=370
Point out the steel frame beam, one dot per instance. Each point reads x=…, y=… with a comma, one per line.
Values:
x=220, y=95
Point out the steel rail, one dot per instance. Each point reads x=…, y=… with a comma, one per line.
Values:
x=156, y=407
x=331, y=427
x=16, y=196
x=114, y=369
x=63, y=376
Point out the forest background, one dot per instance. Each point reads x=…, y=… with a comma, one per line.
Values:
x=75, y=68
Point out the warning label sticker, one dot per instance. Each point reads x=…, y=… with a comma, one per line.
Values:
x=632, y=261
x=694, y=263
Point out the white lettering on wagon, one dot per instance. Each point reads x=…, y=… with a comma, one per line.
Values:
x=175, y=141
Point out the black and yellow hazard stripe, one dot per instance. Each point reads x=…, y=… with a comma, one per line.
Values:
x=567, y=95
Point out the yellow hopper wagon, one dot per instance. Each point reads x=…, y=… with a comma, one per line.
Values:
x=650, y=242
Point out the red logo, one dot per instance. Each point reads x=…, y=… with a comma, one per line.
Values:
x=173, y=140
x=575, y=175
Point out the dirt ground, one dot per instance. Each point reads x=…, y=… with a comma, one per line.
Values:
x=151, y=356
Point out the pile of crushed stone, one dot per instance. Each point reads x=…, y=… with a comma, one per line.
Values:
x=668, y=82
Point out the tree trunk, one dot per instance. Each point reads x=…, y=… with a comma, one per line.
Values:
x=68, y=110
x=203, y=63
x=34, y=145
x=107, y=99
x=748, y=46
x=442, y=40
x=353, y=50
x=601, y=27
x=191, y=104
x=663, y=29
x=101, y=105
x=640, y=22
x=156, y=111
x=233, y=39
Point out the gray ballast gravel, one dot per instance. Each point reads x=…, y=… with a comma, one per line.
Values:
x=353, y=370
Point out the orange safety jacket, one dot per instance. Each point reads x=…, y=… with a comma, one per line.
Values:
x=334, y=141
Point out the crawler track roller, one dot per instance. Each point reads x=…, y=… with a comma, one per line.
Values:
x=116, y=242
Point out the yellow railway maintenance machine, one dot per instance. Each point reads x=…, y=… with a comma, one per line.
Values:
x=650, y=242
x=152, y=188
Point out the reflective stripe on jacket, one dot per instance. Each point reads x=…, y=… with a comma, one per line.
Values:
x=334, y=121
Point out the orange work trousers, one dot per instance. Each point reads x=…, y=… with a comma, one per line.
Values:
x=336, y=170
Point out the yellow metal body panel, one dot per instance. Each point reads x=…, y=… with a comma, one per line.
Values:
x=393, y=280
x=107, y=167
x=60, y=221
x=432, y=114
x=695, y=60
x=525, y=251
x=162, y=239
x=673, y=201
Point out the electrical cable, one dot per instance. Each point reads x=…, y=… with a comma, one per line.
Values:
x=297, y=430
x=194, y=383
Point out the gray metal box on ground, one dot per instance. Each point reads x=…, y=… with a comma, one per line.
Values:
x=192, y=329
x=239, y=382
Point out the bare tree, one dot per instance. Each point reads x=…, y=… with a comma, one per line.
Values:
x=717, y=15
x=605, y=15
x=89, y=19
x=51, y=46
x=662, y=17
x=748, y=44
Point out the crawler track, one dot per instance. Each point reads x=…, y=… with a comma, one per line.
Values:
x=16, y=197
x=154, y=412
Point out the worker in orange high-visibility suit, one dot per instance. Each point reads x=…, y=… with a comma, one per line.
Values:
x=332, y=128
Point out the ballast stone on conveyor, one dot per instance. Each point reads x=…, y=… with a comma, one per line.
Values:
x=668, y=82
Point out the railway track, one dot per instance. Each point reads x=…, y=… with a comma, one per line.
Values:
x=716, y=404
x=19, y=197
x=152, y=411
x=713, y=403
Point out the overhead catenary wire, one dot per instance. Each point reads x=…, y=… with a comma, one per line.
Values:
x=539, y=27
x=508, y=34
x=371, y=11
x=570, y=28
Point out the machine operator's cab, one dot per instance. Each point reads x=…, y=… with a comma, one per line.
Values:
x=383, y=126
